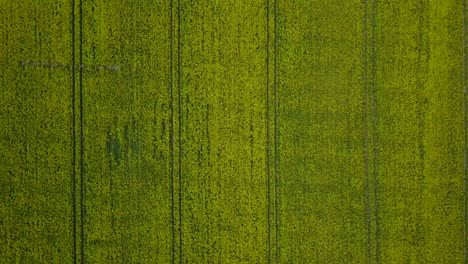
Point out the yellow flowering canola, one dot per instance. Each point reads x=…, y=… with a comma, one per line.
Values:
x=272, y=131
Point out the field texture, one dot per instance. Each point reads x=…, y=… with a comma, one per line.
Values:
x=260, y=131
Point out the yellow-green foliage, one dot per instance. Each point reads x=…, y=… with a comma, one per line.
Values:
x=260, y=131
x=223, y=138
x=36, y=140
x=419, y=131
x=126, y=132
x=321, y=148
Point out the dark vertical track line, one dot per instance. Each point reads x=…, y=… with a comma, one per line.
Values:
x=82, y=143
x=465, y=136
x=267, y=123
x=420, y=86
x=73, y=133
x=366, y=133
x=171, y=88
x=275, y=121
x=374, y=137
x=179, y=88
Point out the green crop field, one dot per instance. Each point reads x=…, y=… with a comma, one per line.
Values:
x=235, y=131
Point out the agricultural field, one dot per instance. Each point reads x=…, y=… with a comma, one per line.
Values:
x=273, y=131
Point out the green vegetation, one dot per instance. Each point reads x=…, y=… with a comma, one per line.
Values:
x=127, y=125
x=36, y=214
x=232, y=131
x=321, y=132
x=419, y=131
x=224, y=186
